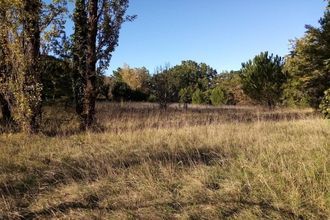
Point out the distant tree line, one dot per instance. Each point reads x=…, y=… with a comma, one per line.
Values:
x=186, y=83
x=39, y=65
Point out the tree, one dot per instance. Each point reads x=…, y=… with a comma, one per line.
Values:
x=308, y=64
x=106, y=85
x=20, y=36
x=56, y=80
x=185, y=96
x=4, y=65
x=30, y=83
x=22, y=24
x=163, y=87
x=231, y=83
x=218, y=96
x=198, y=97
x=136, y=78
x=131, y=84
x=97, y=27
x=325, y=104
x=263, y=78
x=189, y=76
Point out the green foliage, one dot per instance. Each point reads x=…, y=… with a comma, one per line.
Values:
x=325, y=104
x=57, y=80
x=263, y=79
x=198, y=97
x=293, y=95
x=309, y=62
x=231, y=83
x=189, y=76
x=185, y=95
x=218, y=96
x=26, y=27
x=106, y=84
x=20, y=35
x=163, y=87
x=123, y=92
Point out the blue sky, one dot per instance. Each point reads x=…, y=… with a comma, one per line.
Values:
x=221, y=33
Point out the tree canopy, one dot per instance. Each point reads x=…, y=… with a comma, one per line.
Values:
x=263, y=78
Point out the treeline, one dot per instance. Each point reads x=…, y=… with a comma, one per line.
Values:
x=188, y=82
x=40, y=64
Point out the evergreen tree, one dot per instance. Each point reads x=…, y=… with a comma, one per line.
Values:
x=198, y=97
x=218, y=96
x=263, y=79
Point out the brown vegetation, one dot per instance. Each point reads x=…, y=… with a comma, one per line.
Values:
x=144, y=163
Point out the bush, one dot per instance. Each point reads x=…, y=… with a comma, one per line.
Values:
x=218, y=96
x=325, y=104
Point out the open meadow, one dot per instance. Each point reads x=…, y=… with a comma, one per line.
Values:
x=196, y=110
x=144, y=163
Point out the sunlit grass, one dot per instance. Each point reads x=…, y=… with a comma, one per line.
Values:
x=159, y=165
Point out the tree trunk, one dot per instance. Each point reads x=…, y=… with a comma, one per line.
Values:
x=85, y=61
x=79, y=54
x=4, y=70
x=5, y=109
x=185, y=106
x=90, y=76
x=32, y=87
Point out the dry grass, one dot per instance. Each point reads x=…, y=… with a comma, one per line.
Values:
x=142, y=163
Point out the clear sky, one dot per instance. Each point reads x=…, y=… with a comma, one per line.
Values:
x=221, y=33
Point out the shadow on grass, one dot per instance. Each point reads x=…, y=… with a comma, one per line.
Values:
x=91, y=204
x=89, y=168
x=187, y=158
x=63, y=122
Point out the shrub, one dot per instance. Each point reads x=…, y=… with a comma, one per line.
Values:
x=325, y=104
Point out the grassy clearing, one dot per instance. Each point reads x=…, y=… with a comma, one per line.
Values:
x=147, y=164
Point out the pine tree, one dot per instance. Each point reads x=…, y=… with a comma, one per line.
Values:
x=263, y=79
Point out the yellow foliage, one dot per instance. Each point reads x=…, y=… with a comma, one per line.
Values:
x=134, y=77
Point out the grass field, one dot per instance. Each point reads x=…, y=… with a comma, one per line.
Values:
x=143, y=163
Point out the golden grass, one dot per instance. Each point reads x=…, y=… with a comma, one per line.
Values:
x=148, y=164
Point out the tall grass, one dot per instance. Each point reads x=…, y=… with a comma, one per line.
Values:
x=143, y=163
